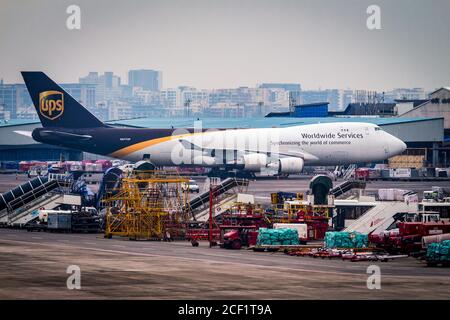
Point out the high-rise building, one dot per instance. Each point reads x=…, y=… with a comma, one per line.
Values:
x=14, y=98
x=83, y=93
x=107, y=86
x=332, y=96
x=150, y=80
x=406, y=94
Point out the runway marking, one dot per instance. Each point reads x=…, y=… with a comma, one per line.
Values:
x=141, y=254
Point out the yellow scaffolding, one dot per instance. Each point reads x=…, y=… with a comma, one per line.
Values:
x=148, y=205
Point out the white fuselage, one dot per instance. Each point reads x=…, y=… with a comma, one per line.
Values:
x=318, y=144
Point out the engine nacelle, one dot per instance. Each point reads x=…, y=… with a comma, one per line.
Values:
x=290, y=165
x=204, y=160
x=254, y=161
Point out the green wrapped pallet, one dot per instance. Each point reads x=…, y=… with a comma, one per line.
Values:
x=277, y=237
x=439, y=251
x=343, y=239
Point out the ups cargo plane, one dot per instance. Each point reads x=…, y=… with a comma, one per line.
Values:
x=67, y=123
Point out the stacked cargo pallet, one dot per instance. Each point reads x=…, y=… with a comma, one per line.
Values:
x=438, y=253
x=335, y=239
x=405, y=161
x=277, y=237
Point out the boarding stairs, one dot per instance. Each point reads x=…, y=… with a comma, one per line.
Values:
x=200, y=203
x=349, y=172
x=220, y=207
x=347, y=186
x=379, y=218
x=20, y=202
x=29, y=212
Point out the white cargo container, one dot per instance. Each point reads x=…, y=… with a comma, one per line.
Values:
x=400, y=173
x=301, y=228
x=391, y=194
x=245, y=198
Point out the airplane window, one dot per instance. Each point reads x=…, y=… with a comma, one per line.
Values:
x=377, y=129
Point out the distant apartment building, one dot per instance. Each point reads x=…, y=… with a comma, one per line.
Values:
x=338, y=99
x=346, y=98
x=83, y=93
x=282, y=94
x=119, y=110
x=225, y=110
x=241, y=96
x=4, y=115
x=194, y=99
x=15, y=100
x=406, y=94
x=107, y=86
x=285, y=86
x=171, y=98
x=149, y=80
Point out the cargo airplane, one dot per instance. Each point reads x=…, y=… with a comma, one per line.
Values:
x=65, y=122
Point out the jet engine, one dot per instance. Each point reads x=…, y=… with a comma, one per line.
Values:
x=288, y=165
x=204, y=160
x=254, y=161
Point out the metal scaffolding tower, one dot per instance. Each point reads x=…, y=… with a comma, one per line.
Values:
x=148, y=206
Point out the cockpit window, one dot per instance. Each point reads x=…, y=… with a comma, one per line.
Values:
x=377, y=129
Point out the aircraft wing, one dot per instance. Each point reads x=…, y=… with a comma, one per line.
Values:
x=290, y=153
x=24, y=133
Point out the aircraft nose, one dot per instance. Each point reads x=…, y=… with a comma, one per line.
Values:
x=398, y=146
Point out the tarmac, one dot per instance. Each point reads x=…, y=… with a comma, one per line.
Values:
x=262, y=187
x=33, y=265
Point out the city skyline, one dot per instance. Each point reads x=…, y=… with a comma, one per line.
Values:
x=255, y=85
x=107, y=97
x=208, y=45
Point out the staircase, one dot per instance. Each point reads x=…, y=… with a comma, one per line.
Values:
x=349, y=172
x=200, y=203
x=17, y=205
x=220, y=207
x=30, y=212
x=347, y=186
x=379, y=218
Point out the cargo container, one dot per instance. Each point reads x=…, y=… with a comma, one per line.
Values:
x=59, y=221
x=93, y=167
x=9, y=167
x=362, y=173
x=392, y=194
x=400, y=173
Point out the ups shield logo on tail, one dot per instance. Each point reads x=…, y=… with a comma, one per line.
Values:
x=51, y=104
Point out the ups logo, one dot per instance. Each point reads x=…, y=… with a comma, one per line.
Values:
x=51, y=104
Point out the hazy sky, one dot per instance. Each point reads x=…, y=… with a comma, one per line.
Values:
x=230, y=43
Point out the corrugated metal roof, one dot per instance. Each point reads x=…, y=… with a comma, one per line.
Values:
x=16, y=122
x=225, y=123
